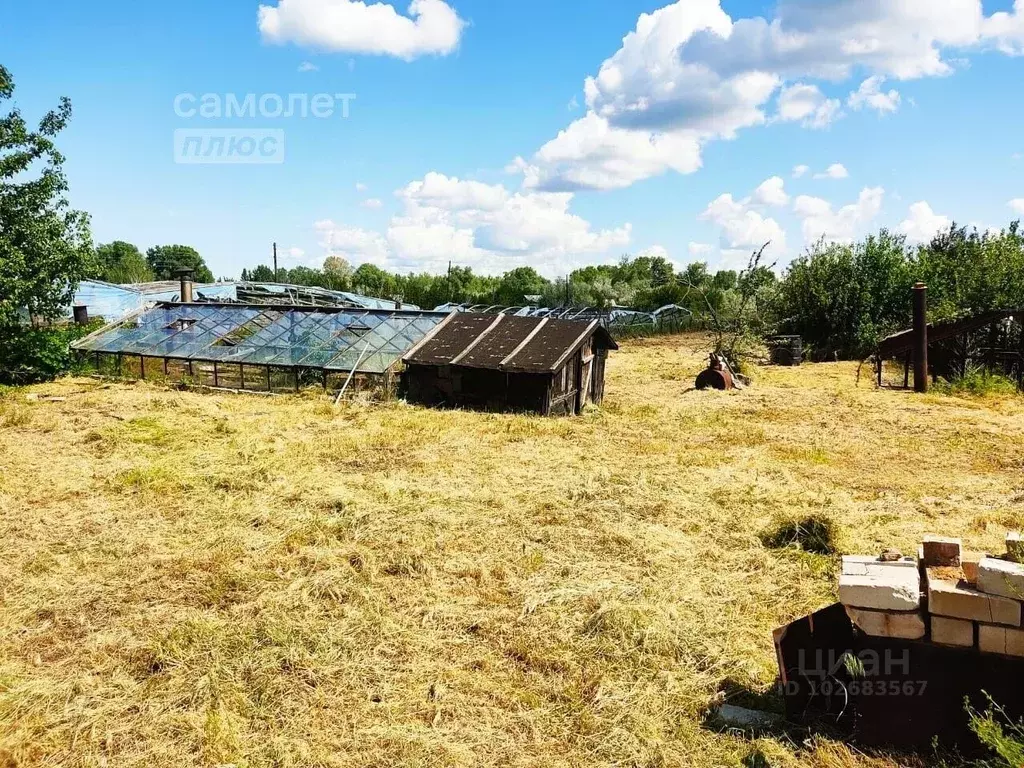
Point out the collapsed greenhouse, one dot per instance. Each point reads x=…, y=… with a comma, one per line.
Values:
x=257, y=348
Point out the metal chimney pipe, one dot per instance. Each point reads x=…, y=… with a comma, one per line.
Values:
x=185, y=275
x=81, y=313
x=920, y=337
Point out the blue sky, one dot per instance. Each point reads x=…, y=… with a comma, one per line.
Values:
x=473, y=136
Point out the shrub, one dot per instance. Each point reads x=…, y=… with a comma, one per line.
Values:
x=1000, y=734
x=978, y=383
x=37, y=354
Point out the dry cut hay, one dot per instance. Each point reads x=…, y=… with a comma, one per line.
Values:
x=199, y=580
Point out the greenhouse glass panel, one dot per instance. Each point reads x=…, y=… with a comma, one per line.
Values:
x=326, y=338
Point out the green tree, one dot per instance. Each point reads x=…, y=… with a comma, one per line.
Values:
x=844, y=298
x=262, y=274
x=45, y=247
x=121, y=262
x=337, y=273
x=163, y=260
x=519, y=283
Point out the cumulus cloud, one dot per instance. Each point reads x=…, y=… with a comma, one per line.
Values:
x=308, y=66
x=743, y=228
x=352, y=26
x=688, y=74
x=699, y=249
x=360, y=187
x=1017, y=205
x=820, y=219
x=485, y=226
x=800, y=171
x=771, y=192
x=870, y=95
x=372, y=203
x=593, y=154
x=923, y=223
x=834, y=171
x=808, y=105
x=1006, y=30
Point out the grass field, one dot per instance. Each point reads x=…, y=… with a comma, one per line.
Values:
x=192, y=579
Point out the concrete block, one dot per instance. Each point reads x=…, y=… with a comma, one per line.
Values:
x=884, y=587
x=947, y=597
x=1015, y=546
x=865, y=565
x=1009, y=642
x=902, y=625
x=941, y=552
x=1001, y=577
x=952, y=632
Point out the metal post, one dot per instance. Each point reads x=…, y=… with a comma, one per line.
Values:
x=920, y=337
x=275, y=263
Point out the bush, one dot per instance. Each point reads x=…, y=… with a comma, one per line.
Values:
x=978, y=383
x=38, y=354
x=1001, y=735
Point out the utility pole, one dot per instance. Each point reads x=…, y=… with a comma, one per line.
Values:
x=275, y=263
x=451, y=298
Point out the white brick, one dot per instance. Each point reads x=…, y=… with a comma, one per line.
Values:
x=885, y=587
x=1001, y=577
x=902, y=625
x=862, y=565
x=959, y=601
x=940, y=551
x=1009, y=642
x=952, y=632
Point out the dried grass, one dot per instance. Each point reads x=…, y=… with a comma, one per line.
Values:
x=199, y=580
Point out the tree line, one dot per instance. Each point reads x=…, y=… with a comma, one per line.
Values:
x=842, y=298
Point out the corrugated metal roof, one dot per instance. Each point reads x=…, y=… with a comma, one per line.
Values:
x=506, y=342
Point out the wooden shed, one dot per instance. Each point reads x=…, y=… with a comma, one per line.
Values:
x=509, y=363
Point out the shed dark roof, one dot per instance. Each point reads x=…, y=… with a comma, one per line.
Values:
x=506, y=342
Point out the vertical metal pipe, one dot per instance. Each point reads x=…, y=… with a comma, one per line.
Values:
x=920, y=337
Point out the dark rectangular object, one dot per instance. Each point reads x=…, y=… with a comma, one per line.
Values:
x=906, y=693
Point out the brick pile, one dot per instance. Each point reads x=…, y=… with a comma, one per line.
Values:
x=944, y=595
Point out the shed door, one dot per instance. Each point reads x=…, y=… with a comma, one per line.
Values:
x=586, y=379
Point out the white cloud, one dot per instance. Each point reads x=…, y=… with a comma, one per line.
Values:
x=573, y=104
x=741, y=227
x=296, y=253
x=654, y=252
x=923, y=223
x=593, y=154
x=1017, y=205
x=352, y=26
x=689, y=74
x=699, y=249
x=870, y=95
x=800, y=171
x=808, y=105
x=308, y=66
x=834, y=171
x=819, y=219
x=480, y=225
x=360, y=187
x=1006, y=30
x=373, y=203
x=771, y=192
